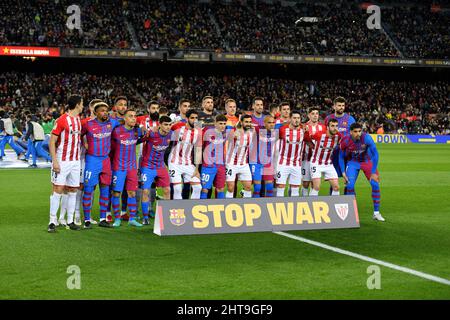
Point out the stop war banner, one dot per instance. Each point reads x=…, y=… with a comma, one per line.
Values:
x=188, y=217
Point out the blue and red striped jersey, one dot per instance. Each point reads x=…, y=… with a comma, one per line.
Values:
x=258, y=122
x=154, y=148
x=124, y=145
x=344, y=122
x=213, y=147
x=98, y=136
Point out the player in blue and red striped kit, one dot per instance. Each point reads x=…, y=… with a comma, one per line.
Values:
x=213, y=165
x=98, y=165
x=357, y=151
x=124, y=140
x=344, y=122
x=152, y=165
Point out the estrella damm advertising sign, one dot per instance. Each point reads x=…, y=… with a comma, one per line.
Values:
x=183, y=217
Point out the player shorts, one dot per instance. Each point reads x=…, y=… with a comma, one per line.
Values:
x=214, y=175
x=306, y=171
x=69, y=174
x=353, y=167
x=182, y=173
x=292, y=172
x=124, y=180
x=257, y=171
x=148, y=176
x=95, y=168
x=337, y=167
x=242, y=171
x=327, y=169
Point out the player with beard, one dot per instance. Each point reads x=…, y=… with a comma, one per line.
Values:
x=344, y=122
x=149, y=122
x=206, y=116
x=237, y=147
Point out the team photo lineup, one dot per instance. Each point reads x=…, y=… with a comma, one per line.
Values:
x=186, y=154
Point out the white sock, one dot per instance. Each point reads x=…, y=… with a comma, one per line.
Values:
x=196, y=190
x=295, y=192
x=177, y=188
x=78, y=204
x=280, y=192
x=55, y=198
x=71, y=201
x=376, y=212
x=313, y=192
x=63, y=210
x=247, y=194
x=304, y=192
x=229, y=195
x=335, y=193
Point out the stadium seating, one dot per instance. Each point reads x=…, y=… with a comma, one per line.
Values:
x=409, y=107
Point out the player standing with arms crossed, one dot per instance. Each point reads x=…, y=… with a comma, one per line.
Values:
x=64, y=145
x=237, y=148
x=360, y=151
x=313, y=127
x=186, y=139
x=290, y=160
x=321, y=163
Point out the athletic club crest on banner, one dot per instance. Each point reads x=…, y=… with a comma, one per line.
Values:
x=341, y=210
x=177, y=217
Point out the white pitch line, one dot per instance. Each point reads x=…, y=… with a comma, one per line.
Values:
x=368, y=259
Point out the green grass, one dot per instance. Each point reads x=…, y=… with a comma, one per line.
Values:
x=136, y=264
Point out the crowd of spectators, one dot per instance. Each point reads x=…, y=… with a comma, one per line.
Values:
x=397, y=106
x=419, y=30
x=43, y=23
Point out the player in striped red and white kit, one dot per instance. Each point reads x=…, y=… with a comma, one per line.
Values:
x=186, y=139
x=313, y=126
x=237, y=147
x=64, y=145
x=290, y=160
x=321, y=158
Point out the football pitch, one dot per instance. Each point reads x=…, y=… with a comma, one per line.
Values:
x=130, y=263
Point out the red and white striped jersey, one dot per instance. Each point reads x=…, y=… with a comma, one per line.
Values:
x=146, y=122
x=313, y=129
x=68, y=130
x=290, y=146
x=184, y=139
x=238, y=143
x=323, y=147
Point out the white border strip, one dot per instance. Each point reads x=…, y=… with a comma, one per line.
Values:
x=365, y=258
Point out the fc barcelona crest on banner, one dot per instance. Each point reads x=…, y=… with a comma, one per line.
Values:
x=177, y=217
x=341, y=210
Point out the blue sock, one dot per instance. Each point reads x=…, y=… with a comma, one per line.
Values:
x=132, y=207
x=115, y=202
x=269, y=190
x=220, y=195
x=145, y=206
x=375, y=195
x=204, y=195
x=256, y=190
x=103, y=201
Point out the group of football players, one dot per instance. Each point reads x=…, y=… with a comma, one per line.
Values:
x=188, y=153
